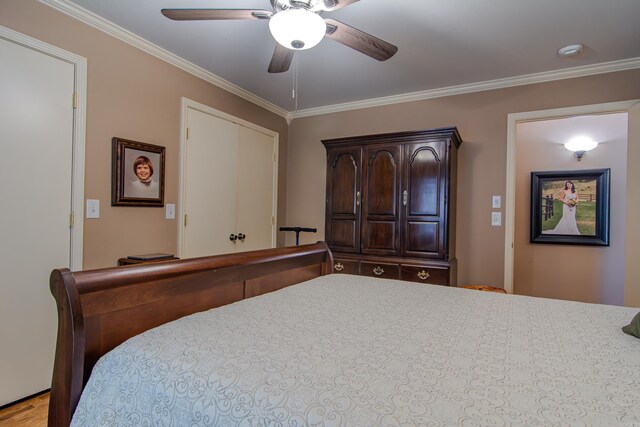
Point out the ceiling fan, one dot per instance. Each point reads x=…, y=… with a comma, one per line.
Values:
x=297, y=25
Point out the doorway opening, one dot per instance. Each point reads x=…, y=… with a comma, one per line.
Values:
x=517, y=193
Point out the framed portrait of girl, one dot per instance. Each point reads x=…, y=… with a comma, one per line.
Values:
x=138, y=174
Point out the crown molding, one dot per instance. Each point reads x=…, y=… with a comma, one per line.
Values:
x=547, y=76
x=128, y=37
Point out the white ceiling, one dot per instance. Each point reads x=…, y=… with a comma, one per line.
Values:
x=442, y=44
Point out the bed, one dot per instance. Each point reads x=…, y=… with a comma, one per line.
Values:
x=332, y=350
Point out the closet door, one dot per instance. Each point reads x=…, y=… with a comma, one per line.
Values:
x=342, y=228
x=381, y=200
x=256, y=197
x=229, y=187
x=425, y=181
x=210, y=186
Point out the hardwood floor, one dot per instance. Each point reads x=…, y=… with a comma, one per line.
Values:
x=32, y=412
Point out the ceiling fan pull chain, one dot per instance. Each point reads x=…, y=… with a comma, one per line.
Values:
x=293, y=77
x=296, y=67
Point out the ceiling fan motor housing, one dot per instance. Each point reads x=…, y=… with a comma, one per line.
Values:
x=312, y=5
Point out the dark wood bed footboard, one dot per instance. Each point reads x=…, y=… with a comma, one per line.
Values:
x=99, y=309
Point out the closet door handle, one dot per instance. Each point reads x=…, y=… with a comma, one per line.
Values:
x=241, y=237
x=404, y=198
x=357, y=198
x=233, y=238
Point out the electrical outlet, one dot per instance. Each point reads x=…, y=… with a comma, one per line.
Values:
x=170, y=211
x=495, y=202
x=496, y=219
x=93, y=208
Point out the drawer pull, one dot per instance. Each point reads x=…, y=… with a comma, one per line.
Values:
x=423, y=275
x=338, y=266
x=378, y=271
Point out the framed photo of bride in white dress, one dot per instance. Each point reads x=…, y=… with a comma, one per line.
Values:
x=570, y=207
x=137, y=174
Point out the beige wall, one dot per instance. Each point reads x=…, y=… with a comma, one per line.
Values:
x=578, y=273
x=482, y=120
x=133, y=95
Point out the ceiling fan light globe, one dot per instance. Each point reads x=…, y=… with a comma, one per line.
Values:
x=297, y=29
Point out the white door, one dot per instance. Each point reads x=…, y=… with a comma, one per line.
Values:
x=256, y=183
x=210, y=185
x=36, y=136
x=229, y=186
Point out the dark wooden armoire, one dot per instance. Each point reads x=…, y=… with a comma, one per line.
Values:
x=391, y=205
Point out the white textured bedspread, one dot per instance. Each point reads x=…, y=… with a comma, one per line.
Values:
x=352, y=351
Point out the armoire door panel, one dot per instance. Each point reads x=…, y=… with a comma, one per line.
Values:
x=381, y=199
x=423, y=238
x=344, y=195
x=425, y=182
x=382, y=182
x=344, y=176
x=381, y=236
x=343, y=233
x=423, y=185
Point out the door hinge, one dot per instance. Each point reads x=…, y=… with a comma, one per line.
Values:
x=185, y=220
x=188, y=133
x=273, y=220
x=71, y=219
x=74, y=101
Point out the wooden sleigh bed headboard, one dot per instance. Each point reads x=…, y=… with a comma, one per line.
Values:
x=99, y=309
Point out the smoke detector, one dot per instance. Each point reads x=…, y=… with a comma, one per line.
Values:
x=570, y=50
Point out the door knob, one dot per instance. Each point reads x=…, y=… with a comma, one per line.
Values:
x=241, y=237
x=233, y=238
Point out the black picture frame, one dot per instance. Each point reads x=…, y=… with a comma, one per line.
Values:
x=590, y=215
x=129, y=185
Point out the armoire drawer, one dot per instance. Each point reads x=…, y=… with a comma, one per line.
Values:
x=345, y=266
x=378, y=269
x=424, y=274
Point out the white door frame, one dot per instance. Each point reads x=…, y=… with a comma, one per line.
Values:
x=188, y=103
x=510, y=206
x=79, y=129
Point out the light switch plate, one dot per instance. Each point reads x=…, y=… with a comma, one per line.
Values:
x=170, y=211
x=496, y=202
x=496, y=219
x=93, y=208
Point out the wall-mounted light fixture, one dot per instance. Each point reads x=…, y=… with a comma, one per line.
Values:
x=580, y=145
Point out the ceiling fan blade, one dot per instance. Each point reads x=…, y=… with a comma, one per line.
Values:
x=281, y=59
x=215, y=14
x=331, y=5
x=359, y=40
